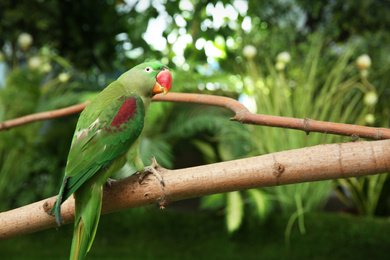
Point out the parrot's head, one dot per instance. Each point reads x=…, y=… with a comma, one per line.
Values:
x=148, y=79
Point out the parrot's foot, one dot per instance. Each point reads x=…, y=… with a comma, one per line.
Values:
x=109, y=182
x=151, y=169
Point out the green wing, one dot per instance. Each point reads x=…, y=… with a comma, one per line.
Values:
x=112, y=131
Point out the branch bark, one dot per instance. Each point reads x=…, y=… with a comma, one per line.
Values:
x=241, y=114
x=321, y=162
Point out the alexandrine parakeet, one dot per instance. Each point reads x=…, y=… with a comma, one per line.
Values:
x=108, y=128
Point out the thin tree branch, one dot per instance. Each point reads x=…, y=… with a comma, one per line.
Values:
x=321, y=162
x=241, y=114
x=308, y=125
x=42, y=116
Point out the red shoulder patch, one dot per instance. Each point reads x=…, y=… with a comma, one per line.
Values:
x=125, y=113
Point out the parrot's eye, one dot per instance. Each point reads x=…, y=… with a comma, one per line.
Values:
x=148, y=69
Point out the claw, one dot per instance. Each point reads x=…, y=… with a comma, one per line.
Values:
x=151, y=169
x=109, y=182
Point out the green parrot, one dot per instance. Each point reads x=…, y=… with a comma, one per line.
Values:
x=108, y=128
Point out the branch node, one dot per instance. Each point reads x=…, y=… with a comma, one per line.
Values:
x=355, y=137
x=278, y=170
x=47, y=208
x=163, y=202
x=306, y=125
x=239, y=116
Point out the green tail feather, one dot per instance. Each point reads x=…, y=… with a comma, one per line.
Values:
x=87, y=215
x=57, y=206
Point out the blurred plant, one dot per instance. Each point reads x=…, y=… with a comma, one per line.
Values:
x=256, y=198
x=305, y=90
x=300, y=90
x=363, y=192
x=31, y=156
x=282, y=59
x=258, y=202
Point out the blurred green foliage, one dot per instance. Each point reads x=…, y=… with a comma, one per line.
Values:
x=155, y=234
x=295, y=59
x=32, y=155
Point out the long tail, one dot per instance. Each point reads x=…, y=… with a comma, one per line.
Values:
x=57, y=206
x=87, y=214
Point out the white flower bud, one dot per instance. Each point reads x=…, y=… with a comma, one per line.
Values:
x=363, y=62
x=46, y=67
x=370, y=98
x=370, y=119
x=35, y=63
x=249, y=52
x=283, y=57
x=25, y=40
x=63, y=77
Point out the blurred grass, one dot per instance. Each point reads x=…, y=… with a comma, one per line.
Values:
x=154, y=234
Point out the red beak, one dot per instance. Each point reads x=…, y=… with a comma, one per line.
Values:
x=163, y=82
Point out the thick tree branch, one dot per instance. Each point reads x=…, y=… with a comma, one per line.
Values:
x=321, y=162
x=241, y=114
